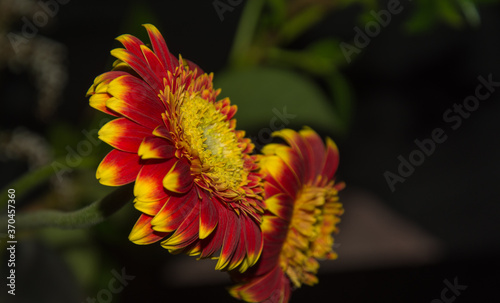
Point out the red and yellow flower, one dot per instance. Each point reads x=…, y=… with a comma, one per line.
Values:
x=195, y=183
x=301, y=198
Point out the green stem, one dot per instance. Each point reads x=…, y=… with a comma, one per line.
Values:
x=90, y=215
x=25, y=183
x=245, y=32
x=300, y=23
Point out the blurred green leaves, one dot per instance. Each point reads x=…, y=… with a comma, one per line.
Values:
x=455, y=13
x=267, y=71
x=266, y=76
x=264, y=93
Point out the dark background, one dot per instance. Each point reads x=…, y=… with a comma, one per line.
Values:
x=403, y=83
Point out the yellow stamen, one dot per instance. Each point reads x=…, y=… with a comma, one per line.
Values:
x=316, y=212
x=209, y=138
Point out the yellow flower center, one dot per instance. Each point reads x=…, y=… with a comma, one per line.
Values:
x=316, y=212
x=210, y=138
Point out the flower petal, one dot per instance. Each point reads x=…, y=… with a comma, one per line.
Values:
x=154, y=63
x=123, y=134
x=293, y=161
x=213, y=242
x=98, y=101
x=149, y=182
x=143, y=234
x=162, y=132
x=296, y=141
x=140, y=66
x=316, y=152
x=281, y=205
x=131, y=43
x=331, y=160
x=101, y=82
x=175, y=211
x=135, y=100
x=156, y=148
x=208, y=216
x=186, y=233
x=281, y=173
x=261, y=289
x=160, y=48
x=118, y=168
x=179, y=178
x=231, y=239
x=253, y=239
x=149, y=207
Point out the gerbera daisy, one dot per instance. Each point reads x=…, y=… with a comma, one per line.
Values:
x=302, y=213
x=195, y=182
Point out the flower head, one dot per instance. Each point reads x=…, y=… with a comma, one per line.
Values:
x=195, y=182
x=302, y=213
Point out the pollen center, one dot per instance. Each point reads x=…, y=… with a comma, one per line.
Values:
x=315, y=215
x=211, y=139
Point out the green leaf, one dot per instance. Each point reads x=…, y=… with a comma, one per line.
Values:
x=277, y=11
x=423, y=17
x=320, y=58
x=470, y=12
x=449, y=11
x=274, y=98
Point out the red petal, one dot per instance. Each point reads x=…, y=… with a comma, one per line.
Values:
x=280, y=205
x=156, y=148
x=149, y=207
x=253, y=239
x=160, y=48
x=186, y=233
x=300, y=145
x=143, y=234
x=140, y=66
x=149, y=182
x=179, y=178
x=98, y=94
x=231, y=239
x=261, y=289
x=162, y=132
x=131, y=43
x=271, y=188
x=232, y=111
x=208, y=216
x=239, y=254
x=101, y=81
x=316, y=150
x=281, y=173
x=135, y=100
x=175, y=211
x=213, y=242
x=274, y=231
x=123, y=134
x=331, y=160
x=98, y=101
x=293, y=161
x=154, y=63
x=118, y=168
